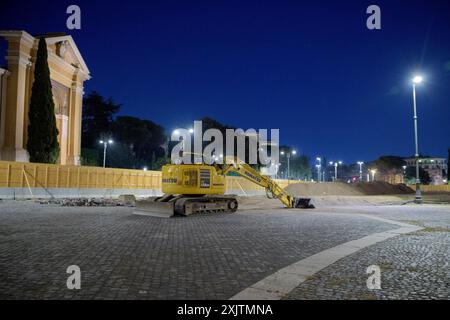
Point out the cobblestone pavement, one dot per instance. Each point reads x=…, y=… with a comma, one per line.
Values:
x=126, y=256
x=413, y=266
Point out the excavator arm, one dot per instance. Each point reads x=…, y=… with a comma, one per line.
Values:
x=273, y=190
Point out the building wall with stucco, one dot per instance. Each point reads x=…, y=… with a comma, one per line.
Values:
x=68, y=71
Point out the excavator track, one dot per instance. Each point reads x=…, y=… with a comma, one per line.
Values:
x=184, y=205
x=206, y=204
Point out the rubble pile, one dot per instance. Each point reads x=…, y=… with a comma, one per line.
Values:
x=87, y=202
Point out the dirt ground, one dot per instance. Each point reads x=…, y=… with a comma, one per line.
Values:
x=262, y=202
x=347, y=189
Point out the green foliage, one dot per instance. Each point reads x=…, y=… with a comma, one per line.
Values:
x=299, y=165
x=144, y=138
x=89, y=157
x=119, y=155
x=159, y=162
x=98, y=117
x=42, y=143
x=390, y=163
x=410, y=175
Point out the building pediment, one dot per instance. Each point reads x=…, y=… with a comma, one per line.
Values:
x=62, y=49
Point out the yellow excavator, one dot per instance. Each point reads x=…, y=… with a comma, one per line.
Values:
x=200, y=188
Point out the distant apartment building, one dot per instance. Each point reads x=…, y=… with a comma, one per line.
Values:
x=436, y=167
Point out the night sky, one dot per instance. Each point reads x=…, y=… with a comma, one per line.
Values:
x=311, y=69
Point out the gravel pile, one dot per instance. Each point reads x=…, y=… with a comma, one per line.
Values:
x=85, y=202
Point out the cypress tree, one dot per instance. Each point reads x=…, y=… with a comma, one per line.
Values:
x=42, y=142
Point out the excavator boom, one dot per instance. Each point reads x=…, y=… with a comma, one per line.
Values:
x=273, y=190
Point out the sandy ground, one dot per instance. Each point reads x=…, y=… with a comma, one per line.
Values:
x=259, y=202
x=347, y=189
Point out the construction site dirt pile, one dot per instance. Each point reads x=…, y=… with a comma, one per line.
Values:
x=347, y=189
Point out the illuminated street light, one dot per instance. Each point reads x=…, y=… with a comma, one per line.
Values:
x=319, y=166
x=145, y=168
x=373, y=171
x=105, y=146
x=416, y=80
x=335, y=168
x=191, y=130
x=360, y=169
x=288, y=156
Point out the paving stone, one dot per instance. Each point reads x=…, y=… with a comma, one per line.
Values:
x=124, y=256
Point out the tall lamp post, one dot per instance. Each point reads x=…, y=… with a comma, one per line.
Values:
x=319, y=167
x=288, y=157
x=416, y=80
x=360, y=169
x=373, y=171
x=105, y=146
x=335, y=164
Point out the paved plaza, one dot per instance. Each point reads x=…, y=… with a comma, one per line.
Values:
x=127, y=256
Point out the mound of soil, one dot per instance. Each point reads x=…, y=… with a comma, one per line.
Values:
x=381, y=188
x=347, y=189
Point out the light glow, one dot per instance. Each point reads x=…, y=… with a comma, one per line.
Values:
x=417, y=79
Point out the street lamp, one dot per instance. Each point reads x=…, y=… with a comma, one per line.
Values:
x=288, y=156
x=335, y=168
x=360, y=169
x=416, y=80
x=373, y=171
x=105, y=146
x=319, y=166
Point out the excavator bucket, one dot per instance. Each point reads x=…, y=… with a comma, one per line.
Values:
x=155, y=207
x=303, y=203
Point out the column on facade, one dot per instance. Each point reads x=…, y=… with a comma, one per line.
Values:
x=75, y=115
x=18, y=59
x=3, y=81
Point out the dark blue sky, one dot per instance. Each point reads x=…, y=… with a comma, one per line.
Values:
x=311, y=69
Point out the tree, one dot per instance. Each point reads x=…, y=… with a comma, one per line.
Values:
x=42, y=144
x=299, y=165
x=388, y=165
x=89, y=157
x=98, y=117
x=144, y=138
x=119, y=155
x=410, y=175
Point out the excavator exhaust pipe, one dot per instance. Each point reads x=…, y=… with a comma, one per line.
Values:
x=303, y=203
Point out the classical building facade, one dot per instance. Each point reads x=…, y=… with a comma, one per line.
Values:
x=68, y=71
x=436, y=167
